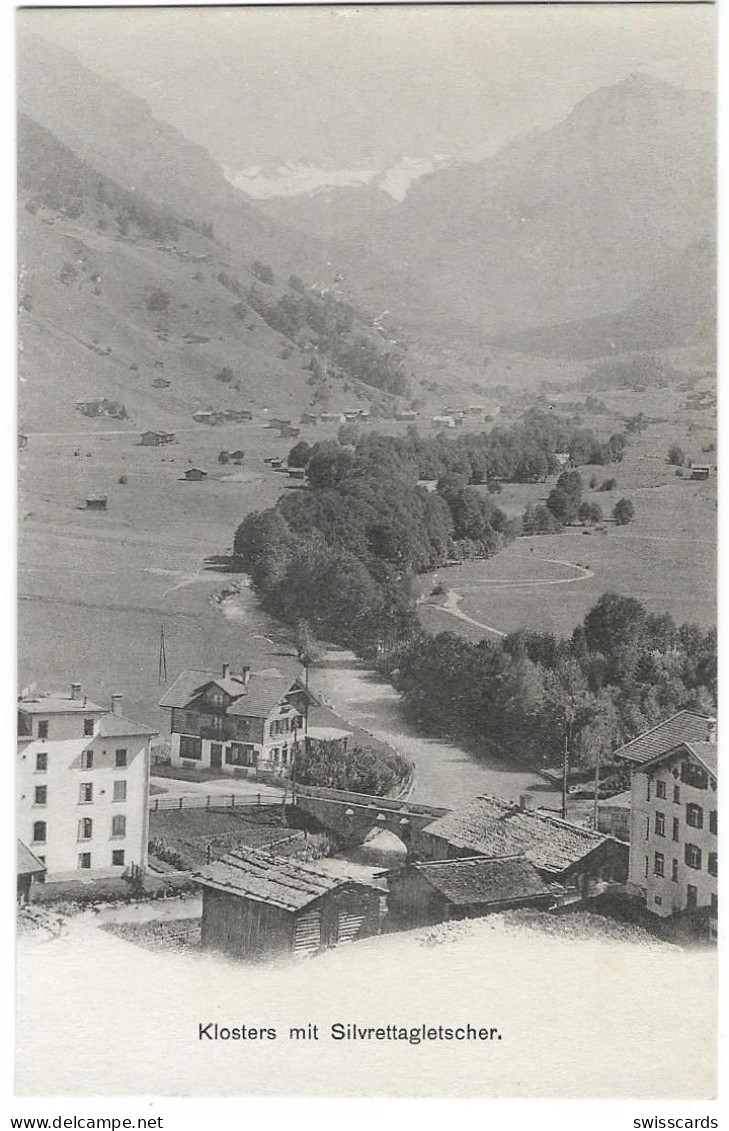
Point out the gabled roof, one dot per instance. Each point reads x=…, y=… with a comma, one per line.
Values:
x=494, y=827
x=116, y=726
x=266, y=878
x=617, y=801
x=684, y=726
x=704, y=752
x=28, y=863
x=262, y=694
x=193, y=681
x=480, y=880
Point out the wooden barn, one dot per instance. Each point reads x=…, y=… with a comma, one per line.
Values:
x=155, y=439
x=195, y=474
x=96, y=503
x=29, y=868
x=435, y=891
x=258, y=906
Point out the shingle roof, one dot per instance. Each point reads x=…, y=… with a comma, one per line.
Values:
x=261, y=694
x=494, y=827
x=28, y=863
x=617, y=801
x=115, y=726
x=266, y=878
x=479, y=880
x=684, y=726
x=705, y=752
x=192, y=681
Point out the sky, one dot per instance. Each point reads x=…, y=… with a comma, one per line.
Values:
x=361, y=87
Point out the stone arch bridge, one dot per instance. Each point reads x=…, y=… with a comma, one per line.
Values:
x=350, y=817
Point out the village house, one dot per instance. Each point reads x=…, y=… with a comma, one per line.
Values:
x=613, y=816
x=309, y=418
x=155, y=439
x=674, y=817
x=226, y=721
x=258, y=906
x=332, y=418
x=29, y=869
x=581, y=860
x=700, y=471
x=435, y=891
x=406, y=414
x=96, y=503
x=83, y=783
x=237, y=456
x=444, y=422
x=195, y=474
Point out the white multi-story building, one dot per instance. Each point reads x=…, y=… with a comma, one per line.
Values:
x=83, y=783
x=673, y=818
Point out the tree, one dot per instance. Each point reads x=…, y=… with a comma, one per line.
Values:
x=296, y=284
x=623, y=512
x=608, y=484
x=158, y=300
x=565, y=498
x=299, y=455
x=348, y=434
x=262, y=272
x=676, y=456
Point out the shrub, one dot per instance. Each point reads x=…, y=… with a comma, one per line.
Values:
x=158, y=300
x=676, y=456
x=263, y=272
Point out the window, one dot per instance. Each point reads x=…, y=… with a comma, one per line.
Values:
x=646, y=865
x=39, y=832
x=85, y=828
x=240, y=754
x=41, y=795
x=41, y=761
x=84, y=859
x=43, y=728
x=189, y=748
x=660, y=824
x=695, y=776
x=658, y=864
x=120, y=791
x=660, y=789
x=692, y=855
x=691, y=896
x=677, y=795
x=694, y=816
x=117, y=858
x=285, y=754
x=85, y=793
x=674, y=871
x=713, y=864
x=712, y=821
x=658, y=900
x=87, y=760
x=676, y=828
x=119, y=825
x=647, y=789
x=120, y=758
x=647, y=828
x=88, y=727
x=714, y=897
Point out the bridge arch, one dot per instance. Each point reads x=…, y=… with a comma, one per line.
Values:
x=350, y=817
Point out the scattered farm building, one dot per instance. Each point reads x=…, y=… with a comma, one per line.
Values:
x=22, y=440
x=155, y=439
x=195, y=474
x=562, y=458
x=96, y=503
x=29, y=868
x=332, y=418
x=289, y=431
x=700, y=471
x=406, y=414
x=573, y=856
x=444, y=421
x=309, y=418
x=258, y=906
x=435, y=891
x=205, y=417
x=237, y=456
x=613, y=816
x=225, y=721
x=161, y=383
x=297, y=473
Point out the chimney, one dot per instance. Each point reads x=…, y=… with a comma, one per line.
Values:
x=116, y=701
x=226, y=671
x=526, y=801
x=75, y=690
x=711, y=731
x=245, y=673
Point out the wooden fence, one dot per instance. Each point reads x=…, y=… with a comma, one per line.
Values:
x=163, y=801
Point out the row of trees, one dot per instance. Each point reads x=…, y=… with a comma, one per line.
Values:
x=622, y=671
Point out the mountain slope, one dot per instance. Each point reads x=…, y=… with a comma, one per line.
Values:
x=678, y=309
x=564, y=223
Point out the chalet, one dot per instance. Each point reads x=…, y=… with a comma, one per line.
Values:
x=613, y=816
x=309, y=418
x=275, y=464
x=297, y=473
x=332, y=418
x=444, y=421
x=29, y=868
x=258, y=906
x=280, y=422
x=226, y=721
x=406, y=414
x=96, y=503
x=155, y=439
x=195, y=474
x=700, y=471
x=575, y=857
x=351, y=415
x=205, y=417
x=684, y=726
x=427, y=892
x=237, y=456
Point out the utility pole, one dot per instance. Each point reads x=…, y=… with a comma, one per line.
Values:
x=597, y=787
x=565, y=775
x=162, y=672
